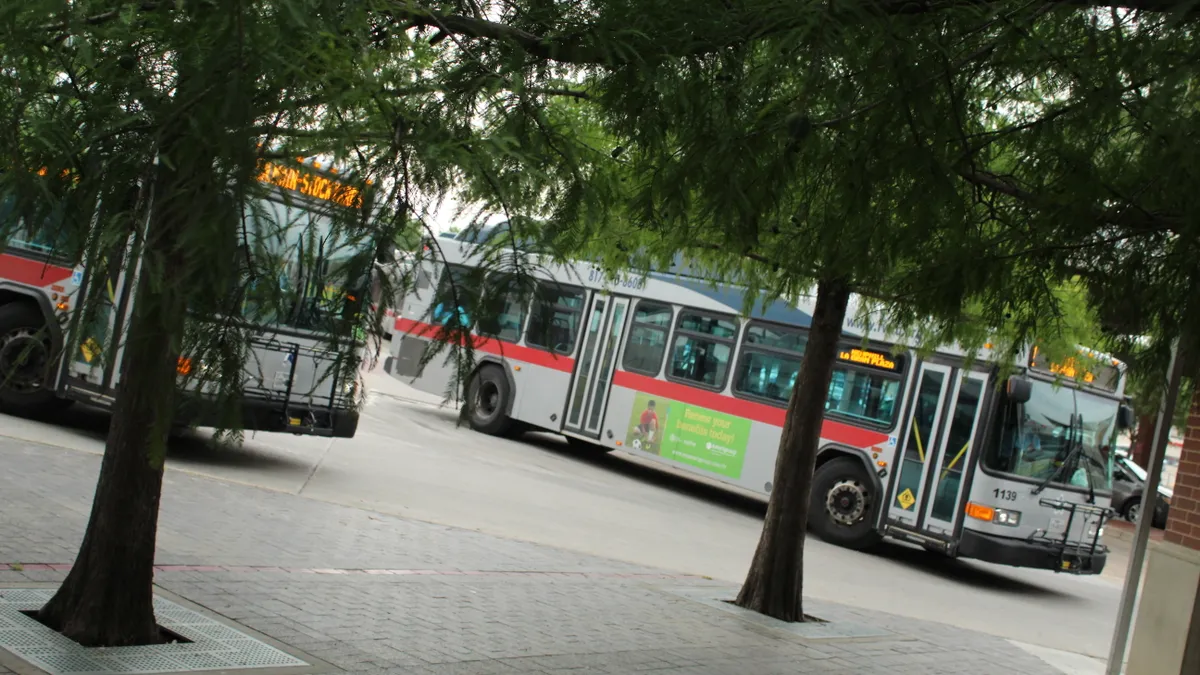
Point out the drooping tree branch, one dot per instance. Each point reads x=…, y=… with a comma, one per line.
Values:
x=105, y=17
x=585, y=47
x=1128, y=216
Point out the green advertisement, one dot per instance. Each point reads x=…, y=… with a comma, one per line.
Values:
x=703, y=438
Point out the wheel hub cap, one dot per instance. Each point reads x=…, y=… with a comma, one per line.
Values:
x=487, y=399
x=23, y=359
x=847, y=502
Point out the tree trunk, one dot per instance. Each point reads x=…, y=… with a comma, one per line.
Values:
x=775, y=583
x=107, y=598
x=1143, y=440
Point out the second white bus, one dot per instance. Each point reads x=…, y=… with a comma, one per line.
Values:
x=932, y=450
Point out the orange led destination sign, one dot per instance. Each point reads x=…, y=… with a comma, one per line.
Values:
x=1070, y=369
x=312, y=185
x=866, y=357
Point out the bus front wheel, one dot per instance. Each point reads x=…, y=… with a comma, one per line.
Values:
x=843, y=497
x=25, y=356
x=488, y=396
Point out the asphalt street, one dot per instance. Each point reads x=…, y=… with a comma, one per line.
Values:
x=410, y=459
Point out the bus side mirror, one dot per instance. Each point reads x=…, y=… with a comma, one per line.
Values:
x=1125, y=417
x=1019, y=389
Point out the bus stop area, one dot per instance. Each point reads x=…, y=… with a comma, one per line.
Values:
x=370, y=593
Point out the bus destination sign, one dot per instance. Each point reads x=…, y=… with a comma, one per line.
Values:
x=309, y=184
x=869, y=358
x=1104, y=376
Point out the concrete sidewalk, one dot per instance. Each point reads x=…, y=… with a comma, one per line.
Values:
x=370, y=593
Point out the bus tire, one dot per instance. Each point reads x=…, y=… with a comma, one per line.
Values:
x=19, y=327
x=490, y=395
x=842, y=503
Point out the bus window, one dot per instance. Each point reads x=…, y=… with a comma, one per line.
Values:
x=770, y=361
x=702, y=348
x=502, y=312
x=455, y=295
x=554, y=321
x=862, y=395
x=647, y=340
x=40, y=231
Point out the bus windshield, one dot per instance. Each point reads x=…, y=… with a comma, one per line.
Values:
x=1036, y=439
x=39, y=231
x=311, y=267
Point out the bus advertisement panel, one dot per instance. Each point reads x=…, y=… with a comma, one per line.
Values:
x=706, y=439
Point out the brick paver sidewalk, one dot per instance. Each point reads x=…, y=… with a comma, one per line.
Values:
x=371, y=593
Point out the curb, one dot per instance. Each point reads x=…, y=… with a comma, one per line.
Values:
x=1123, y=531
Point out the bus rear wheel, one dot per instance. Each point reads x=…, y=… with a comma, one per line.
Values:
x=25, y=356
x=488, y=396
x=842, y=503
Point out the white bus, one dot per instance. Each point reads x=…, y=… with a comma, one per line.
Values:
x=932, y=450
x=298, y=377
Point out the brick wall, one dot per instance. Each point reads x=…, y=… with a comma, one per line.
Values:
x=1183, y=525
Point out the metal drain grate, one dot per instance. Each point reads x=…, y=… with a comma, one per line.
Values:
x=214, y=646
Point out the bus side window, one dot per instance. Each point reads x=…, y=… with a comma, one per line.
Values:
x=647, y=341
x=863, y=395
x=769, y=361
x=702, y=349
x=455, y=296
x=502, y=310
x=554, y=318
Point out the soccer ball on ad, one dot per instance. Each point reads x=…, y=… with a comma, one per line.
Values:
x=637, y=444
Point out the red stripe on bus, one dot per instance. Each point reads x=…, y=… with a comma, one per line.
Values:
x=502, y=348
x=839, y=432
x=31, y=272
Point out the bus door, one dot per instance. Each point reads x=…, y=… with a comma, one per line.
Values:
x=96, y=341
x=943, y=421
x=592, y=380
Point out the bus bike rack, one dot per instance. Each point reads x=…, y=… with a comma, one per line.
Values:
x=1071, y=552
x=309, y=421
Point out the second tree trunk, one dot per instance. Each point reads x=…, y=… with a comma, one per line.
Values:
x=775, y=584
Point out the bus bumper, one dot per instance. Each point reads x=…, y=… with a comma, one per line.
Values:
x=267, y=415
x=1021, y=553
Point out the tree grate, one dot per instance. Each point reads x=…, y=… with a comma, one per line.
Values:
x=214, y=646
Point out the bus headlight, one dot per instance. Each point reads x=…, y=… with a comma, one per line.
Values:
x=1005, y=517
x=993, y=515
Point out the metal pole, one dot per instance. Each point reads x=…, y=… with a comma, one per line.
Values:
x=1133, y=576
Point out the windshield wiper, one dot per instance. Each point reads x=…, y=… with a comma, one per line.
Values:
x=1058, y=471
x=1074, y=450
x=1079, y=448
